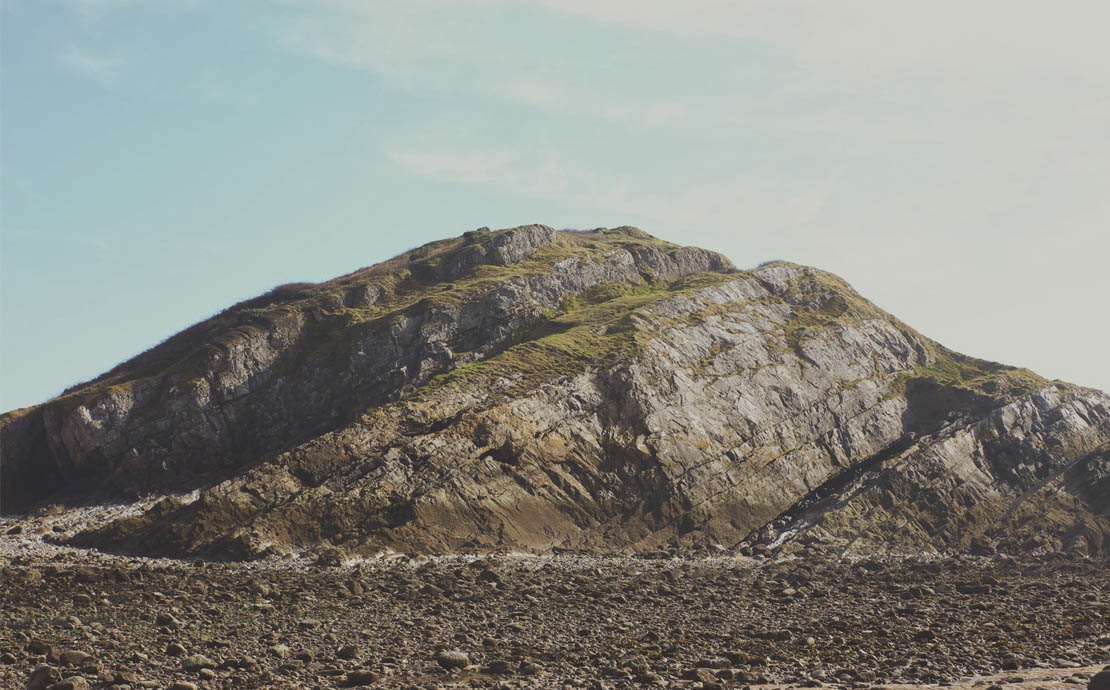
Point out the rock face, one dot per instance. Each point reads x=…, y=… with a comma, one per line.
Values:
x=533, y=389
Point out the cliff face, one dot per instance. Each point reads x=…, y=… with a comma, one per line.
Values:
x=534, y=389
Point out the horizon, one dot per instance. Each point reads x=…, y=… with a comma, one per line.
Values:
x=165, y=160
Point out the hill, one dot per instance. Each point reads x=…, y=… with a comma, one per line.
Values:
x=539, y=390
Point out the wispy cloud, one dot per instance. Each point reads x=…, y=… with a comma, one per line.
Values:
x=95, y=8
x=579, y=102
x=863, y=38
x=469, y=167
x=95, y=67
x=100, y=244
x=426, y=46
x=543, y=174
x=894, y=141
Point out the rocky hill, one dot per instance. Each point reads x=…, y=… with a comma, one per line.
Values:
x=537, y=390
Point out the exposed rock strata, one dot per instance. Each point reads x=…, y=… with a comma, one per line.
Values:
x=539, y=390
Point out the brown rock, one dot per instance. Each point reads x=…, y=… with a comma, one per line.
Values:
x=71, y=683
x=42, y=677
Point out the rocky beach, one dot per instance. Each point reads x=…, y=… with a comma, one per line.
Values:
x=802, y=619
x=534, y=458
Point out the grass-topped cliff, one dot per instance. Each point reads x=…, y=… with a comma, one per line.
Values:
x=531, y=388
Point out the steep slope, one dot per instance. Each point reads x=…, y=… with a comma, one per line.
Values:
x=534, y=389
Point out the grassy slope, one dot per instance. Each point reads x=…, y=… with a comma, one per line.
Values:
x=594, y=328
x=410, y=280
x=950, y=369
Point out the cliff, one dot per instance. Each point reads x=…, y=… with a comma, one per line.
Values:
x=535, y=389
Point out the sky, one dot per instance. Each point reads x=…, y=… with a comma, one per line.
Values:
x=163, y=159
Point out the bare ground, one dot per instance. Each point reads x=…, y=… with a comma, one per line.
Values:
x=808, y=620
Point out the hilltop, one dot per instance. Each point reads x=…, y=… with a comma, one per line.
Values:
x=540, y=390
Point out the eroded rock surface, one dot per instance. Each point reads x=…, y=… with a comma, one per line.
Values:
x=540, y=390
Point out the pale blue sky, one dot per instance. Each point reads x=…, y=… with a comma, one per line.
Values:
x=164, y=159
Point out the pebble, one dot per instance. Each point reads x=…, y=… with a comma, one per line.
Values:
x=74, y=657
x=42, y=677
x=361, y=677
x=571, y=621
x=196, y=662
x=175, y=649
x=71, y=683
x=452, y=659
x=1100, y=681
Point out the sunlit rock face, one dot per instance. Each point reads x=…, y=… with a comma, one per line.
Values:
x=538, y=390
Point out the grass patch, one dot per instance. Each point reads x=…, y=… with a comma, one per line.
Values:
x=596, y=328
x=978, y=376
x=407, y=284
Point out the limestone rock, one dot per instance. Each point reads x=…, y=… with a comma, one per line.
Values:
x=543, y=390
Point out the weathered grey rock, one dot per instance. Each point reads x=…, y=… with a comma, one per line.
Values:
x=154, y=430
x=539, y=390
x=452, y=659
x=195, y=662
x=74, y=657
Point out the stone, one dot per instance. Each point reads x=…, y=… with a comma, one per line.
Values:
x=126, y=678
x=330, y=557
x=196, y=662
x=1099, y=681
x=183, y=685
x=529, y=668
x=704, y=675
x=175, y=649
x=71, y=683
x=780, y=362
x=43, y=677
x=452, y=659
x=361, y=677
x=167, y=620
x=74, y=657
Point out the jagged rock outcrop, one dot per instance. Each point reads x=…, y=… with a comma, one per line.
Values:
x=533, y=389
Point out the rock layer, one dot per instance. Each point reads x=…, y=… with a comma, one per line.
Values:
x=541, y=390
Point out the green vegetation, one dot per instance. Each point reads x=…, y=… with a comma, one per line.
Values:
x=595, y=328
x=991, y=379
x=827, y=301
x=324, y=318
x=841, y=305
